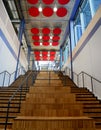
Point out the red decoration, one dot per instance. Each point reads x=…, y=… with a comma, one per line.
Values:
x=35, y=30
x=37, y=58
x=63, y=2
x=57, y=31
x=51, y=58
x=32, y=1
x=55, y=44
x=61, y=12
x=36, y=38
x=36, y=43
x=47, y=11
x=33, y=11
x=45, y=30
x=52, y=52
x=55, y=38
x=45, y=38
x=45, y=43
x=48, y=1
x=44, y=52
x=37, y=52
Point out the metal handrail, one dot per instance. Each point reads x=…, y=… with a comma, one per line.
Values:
x=9, y=76
x=89, y=76
x=83, y=79
x=19, y=89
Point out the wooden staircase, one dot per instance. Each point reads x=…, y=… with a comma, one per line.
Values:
x=5, y=94
x=91, y=105
x=51, y=106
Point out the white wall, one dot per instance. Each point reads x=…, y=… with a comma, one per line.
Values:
x=8, y=56
x=88, y=59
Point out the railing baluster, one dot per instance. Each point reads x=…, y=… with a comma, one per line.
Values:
x=7, y=114
x=83, y=80
x=92, y=84
x=4, y=78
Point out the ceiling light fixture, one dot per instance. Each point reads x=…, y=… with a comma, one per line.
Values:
x=55, y=9
x=40, y=37
x=40, y=8
x=51, y=37
x=41, y=43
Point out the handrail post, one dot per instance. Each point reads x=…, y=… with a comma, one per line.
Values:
x=9, y=79
x=4, y=78
x=83, y=79
x=26, y=84
x=7, y=115
x=92, y=84
x=78, y=80
x=20, y=99
x=49, y=77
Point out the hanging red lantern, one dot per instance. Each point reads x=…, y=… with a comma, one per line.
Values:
x=46, y=43
x=52, y=52
x=55, y=44
x=61, y=12
x=63, y=2
x=47, y=11
x=36, y=43
x=45, y=30
x=44, y=52
x=33, y=11
x=35, y=30
x=48, y=1
x=45, y=38
x=35, y=37
x=37, y=52
x=32, y=1
x=57, y=31
x=55, y=38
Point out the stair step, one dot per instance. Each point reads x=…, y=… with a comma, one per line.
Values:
x=98, y=124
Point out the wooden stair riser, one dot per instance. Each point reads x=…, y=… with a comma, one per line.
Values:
x=9, y=125
x=38, y=124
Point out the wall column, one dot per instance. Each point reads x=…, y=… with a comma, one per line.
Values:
x=71, y=43
x=60, y=58
x=28, y=56
x=92, y=8
x=82, y=22
x=21, y=30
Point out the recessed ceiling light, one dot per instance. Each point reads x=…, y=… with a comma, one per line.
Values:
x=40, y=43
x=55, y=9
x=40, y=37
x=40, y=9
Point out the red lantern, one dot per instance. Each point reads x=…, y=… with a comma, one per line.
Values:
x=33, y=11
x=35, y=30
x=61, y=12
x=57, y=31
x=36, y=43
x=37, y=52
x=47, y=11
x=45, y=38
x=35, y=37
x=32, y=1
x=48, y=1
x=52, y=52
x=44, y=52
x=45, y=43
x=56, y=38
x=55, y=44
x=63, y=2
x=45, y=30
